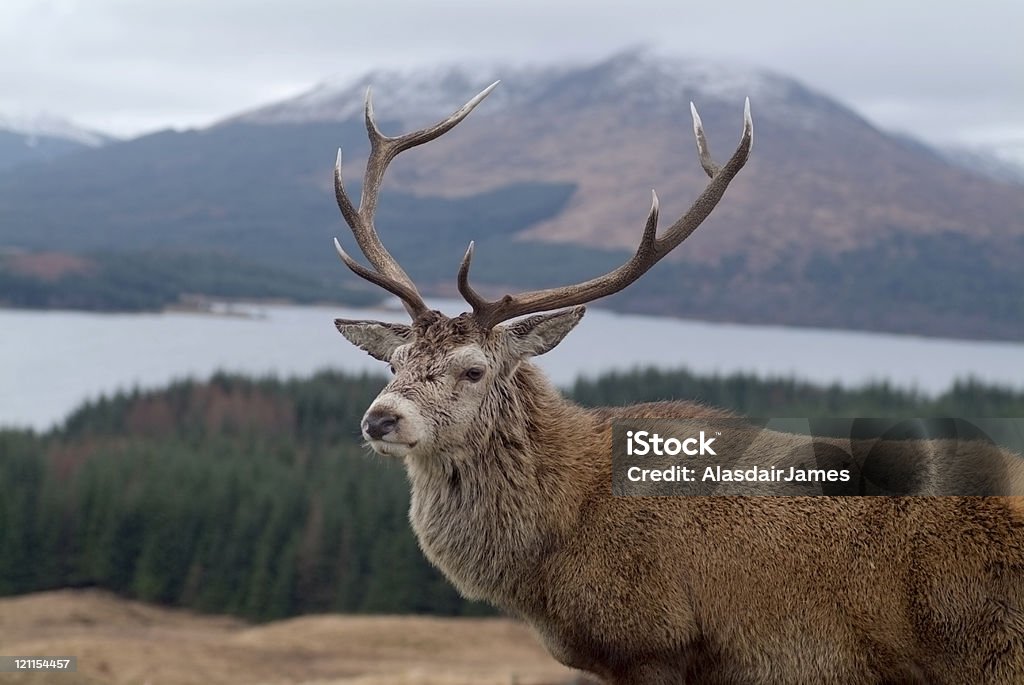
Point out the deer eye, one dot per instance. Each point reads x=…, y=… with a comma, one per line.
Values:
x=473, y=374
x=391, y=367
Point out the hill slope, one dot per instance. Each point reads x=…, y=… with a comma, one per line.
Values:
x=120, y=642
x=833, y=222
x=41, y=138
x=821, y=177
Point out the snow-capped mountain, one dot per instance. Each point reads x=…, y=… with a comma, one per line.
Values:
x=40, y=137
x=833, y=222
x=417, y=94
x=35, y=127
x=1001, y=163
x=620, y=126
x=634, y=79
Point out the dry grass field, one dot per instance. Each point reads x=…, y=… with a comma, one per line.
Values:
x=120, y=642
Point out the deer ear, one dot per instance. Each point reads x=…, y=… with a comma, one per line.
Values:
x=376, y=337
x=538, y=334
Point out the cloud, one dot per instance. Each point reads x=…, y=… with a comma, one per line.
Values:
x=935, y=69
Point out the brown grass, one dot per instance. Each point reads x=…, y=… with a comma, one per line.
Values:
x=120, y=642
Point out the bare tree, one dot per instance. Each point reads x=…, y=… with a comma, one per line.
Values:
x=511, y=499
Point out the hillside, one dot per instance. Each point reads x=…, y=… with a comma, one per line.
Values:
x=119, y=642
x=42, y=138
x=822, y=178
x=278, y=510
x=256, y=499
x=154, y=280
x=833, y=223
x=261, y=197
x=275, y=511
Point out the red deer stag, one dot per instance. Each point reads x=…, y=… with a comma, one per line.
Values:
x=512, y=500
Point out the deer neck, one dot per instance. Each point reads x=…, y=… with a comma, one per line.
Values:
x=484, y=516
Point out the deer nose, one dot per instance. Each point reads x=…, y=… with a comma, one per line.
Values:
x=379, y=423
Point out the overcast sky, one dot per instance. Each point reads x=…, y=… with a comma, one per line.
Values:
x=948, y=71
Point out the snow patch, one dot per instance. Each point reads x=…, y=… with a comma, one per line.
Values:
x=37, y=126
x=637, y=78
x=1001, y=162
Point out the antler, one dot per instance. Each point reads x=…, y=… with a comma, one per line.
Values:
x=649, y=252
x=387, y=273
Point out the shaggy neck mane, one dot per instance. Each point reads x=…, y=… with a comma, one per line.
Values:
x=484, y=516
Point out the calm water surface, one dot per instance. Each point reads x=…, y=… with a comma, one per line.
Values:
x=51, y=361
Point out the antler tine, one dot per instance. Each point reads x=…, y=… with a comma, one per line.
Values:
x=471, y=296
x=389, y=273
x=396, y=288
x=490, y=314
x=702, y=143
x=650, y=251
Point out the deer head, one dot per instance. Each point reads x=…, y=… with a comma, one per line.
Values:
x=455, y=378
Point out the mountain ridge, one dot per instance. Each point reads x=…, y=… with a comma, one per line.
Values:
x=629, y=100
x=833, y=221
x=42, y=137
x=431, y=92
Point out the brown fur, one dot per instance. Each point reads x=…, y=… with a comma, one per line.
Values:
x=703, y=589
